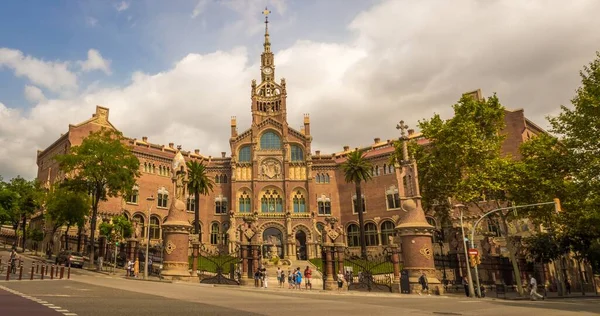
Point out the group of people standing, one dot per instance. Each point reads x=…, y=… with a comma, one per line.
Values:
x=294, y=278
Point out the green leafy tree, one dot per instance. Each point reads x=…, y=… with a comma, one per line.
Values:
x=579, y=126
x=198, y=183
x=118, y=229
x=8, y=203
x=37, y=235
x=544, y=248
x=65, y=207
x=28, y=197
x=357, y=169
x=463, y=161
x=106, y=165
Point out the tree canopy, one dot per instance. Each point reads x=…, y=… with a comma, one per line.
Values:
x=106, y=165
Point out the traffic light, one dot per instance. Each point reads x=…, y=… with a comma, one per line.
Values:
x=557, y=207
x=116, y=243
x=477, y=259
x=472, y=261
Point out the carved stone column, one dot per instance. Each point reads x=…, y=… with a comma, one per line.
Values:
x=414, y=230
x=177, y=227
x=329, y=280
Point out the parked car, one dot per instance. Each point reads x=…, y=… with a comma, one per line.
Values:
x=75, y=259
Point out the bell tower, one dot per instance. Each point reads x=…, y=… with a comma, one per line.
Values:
x=268, y=97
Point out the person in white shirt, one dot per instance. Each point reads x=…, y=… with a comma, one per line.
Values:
x=534, y=294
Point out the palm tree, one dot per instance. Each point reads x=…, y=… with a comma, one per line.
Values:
x=198, y=183
x=357, y=169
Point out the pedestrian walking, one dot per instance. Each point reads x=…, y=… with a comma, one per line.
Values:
x=465, y=283
x=424, y=284
x=340, y=280
x=308, y=278
x=533, y=294
x=265, y=277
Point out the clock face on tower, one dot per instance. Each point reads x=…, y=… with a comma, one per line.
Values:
x=267, y=70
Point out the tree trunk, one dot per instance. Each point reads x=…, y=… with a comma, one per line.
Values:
x=24, y=231
x=93, y=229
x=79, y=231
x=197, y=213
x=580, y=277
x=67, y=238
x=511, y=254
x=361, y=221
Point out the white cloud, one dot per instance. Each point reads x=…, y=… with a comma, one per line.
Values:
x=34, y=94
x=122, y=6
x=407, y=60
x=53, y=75
x=91, y=21
x=95, y=62
x=199, y=8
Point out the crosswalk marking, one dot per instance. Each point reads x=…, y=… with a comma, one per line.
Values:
x=44, y=303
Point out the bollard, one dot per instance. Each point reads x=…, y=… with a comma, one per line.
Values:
x=47, y=269
x=69, y=273
x=20, y=272
x=52, y=273
x=56, y=272
x=31, y=274
x=7, y=272
x=37, y=267
x=62, y=272
x=42, y=275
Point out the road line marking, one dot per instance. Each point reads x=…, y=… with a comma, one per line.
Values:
x=44, y=303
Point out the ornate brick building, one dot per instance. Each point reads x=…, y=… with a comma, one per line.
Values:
x=271, y=174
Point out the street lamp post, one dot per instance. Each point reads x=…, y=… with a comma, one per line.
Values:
x=462, y=227
x=149, y=199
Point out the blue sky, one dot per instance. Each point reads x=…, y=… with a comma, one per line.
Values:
x=176, y=71
x=152, y=35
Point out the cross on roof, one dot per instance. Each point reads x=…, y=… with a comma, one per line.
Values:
x=266, y=12
x=402, y=127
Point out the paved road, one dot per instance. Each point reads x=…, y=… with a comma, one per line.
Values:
x=15, y=305
x=92, y=295
x=27, y=264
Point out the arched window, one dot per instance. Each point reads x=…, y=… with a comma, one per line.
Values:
x=225, y=233
x=271, y=202
x=154, y=228
x=299, y=203
x=214, y=233
x=160, y=172
x=217, y=179
x=244, y=203
x=145, y=167
x=244, y=155
x=139, y=219
x=270, y=140
x=224, y=179
x=371, y=235
x=391, y=169
x=133, y=197
x=318, y=178
x=190, y=204
x=353, y=235
x=220, y=205
x=327, y=178
x=387, y=230
x=297, y=153
x=384, y=169
x=376, y=170
x=163, y=197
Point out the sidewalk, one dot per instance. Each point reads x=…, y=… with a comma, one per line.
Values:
x=515, y=296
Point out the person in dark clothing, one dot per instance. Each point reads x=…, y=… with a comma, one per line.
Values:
x=465, y=283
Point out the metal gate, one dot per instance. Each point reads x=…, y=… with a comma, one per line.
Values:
x=373, y=274
x=218, y=266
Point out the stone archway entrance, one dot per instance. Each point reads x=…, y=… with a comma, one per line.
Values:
x=301, y=253
x=273, y=243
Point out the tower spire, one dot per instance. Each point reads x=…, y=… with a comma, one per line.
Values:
x=267, y=43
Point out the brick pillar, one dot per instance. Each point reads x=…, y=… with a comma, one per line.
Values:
x=195, y=252
x=330, y=283
x=396, y=262
x=340, y=257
